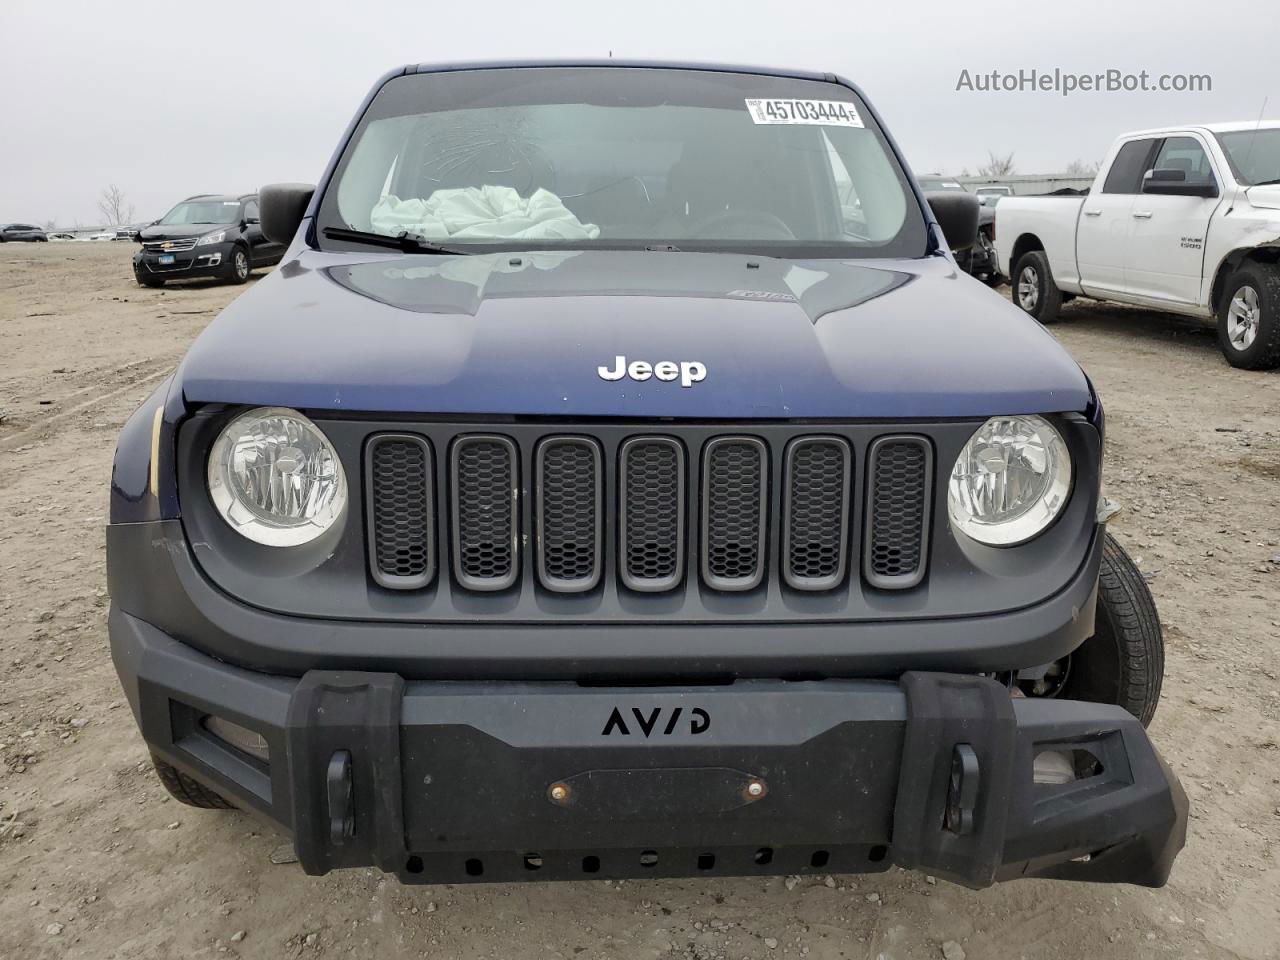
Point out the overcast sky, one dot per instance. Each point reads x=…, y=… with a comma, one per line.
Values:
x=167, y=98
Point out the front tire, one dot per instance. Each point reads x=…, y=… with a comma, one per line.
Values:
x=186, y=790
x=1249, y=318
x=240, y=266
x=1123, y=662
x=1033, y=287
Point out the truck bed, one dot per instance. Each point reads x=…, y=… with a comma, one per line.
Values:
x=1052, y=219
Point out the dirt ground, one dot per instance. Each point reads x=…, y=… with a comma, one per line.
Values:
x=97, y=862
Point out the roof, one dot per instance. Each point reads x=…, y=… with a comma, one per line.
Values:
x=632, y=64
x=1233, y=126
x=220, y=196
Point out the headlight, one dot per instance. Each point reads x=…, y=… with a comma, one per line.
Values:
x=1010, y=481
x=275, y=478
x=212, y=238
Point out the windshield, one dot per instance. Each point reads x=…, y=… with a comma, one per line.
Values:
x=1254, y=154
x=935, y=183
x=585, y=158
x=203, y=211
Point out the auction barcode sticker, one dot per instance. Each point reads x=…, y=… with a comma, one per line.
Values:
x=823, y=112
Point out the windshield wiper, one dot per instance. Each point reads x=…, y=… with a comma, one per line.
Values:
x=404, y=241
x=1266, y=183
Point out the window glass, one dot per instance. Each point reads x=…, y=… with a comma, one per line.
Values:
x=1125, y=175
x=1185, y=154
x=1255, y=154
x=203, y=211
x=611, y=157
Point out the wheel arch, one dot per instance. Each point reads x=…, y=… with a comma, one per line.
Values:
x=1267, y=253
x=1026, y=243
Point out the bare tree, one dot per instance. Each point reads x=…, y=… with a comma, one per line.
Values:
x=1079, y=168
x=115, y=206
x=997, y=166
x=50, y=225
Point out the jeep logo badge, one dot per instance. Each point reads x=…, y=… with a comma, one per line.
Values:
x=688, y=372
x=646, y=723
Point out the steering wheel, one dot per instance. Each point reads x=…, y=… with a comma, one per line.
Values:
x=738, y=224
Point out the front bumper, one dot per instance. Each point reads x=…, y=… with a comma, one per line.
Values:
x=210, y=260
x=456, y=781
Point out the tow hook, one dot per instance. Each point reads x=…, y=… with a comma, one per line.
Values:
x=342, y=818
x=962, y=794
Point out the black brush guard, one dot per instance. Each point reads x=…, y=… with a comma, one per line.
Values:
x=451, y=782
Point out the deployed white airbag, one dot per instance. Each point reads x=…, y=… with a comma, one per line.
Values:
x=481, y=213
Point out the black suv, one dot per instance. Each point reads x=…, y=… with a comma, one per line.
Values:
x=207, y=235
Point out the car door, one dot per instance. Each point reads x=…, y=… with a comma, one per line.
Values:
x=1166, y=257
x=1106, y=219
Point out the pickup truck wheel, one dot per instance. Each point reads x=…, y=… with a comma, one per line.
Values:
x=1249, y=318
x=1123, y=662
x=1033, y=287
x=188, y=791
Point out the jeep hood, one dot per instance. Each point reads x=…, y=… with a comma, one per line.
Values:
x=524, y=334
x=180, y=231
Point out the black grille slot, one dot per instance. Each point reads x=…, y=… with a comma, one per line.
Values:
x=815, y=533
x=651, y=528
x=734, y=490
x=569, y=513
x=485, y=521
x=898, y=511
x=400, y=511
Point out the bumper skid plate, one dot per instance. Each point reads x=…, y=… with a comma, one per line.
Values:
x=457, y=782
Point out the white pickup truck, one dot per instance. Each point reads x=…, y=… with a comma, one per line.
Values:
x=1184, y=219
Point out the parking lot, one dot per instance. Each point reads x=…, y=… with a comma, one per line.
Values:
x=96, y=861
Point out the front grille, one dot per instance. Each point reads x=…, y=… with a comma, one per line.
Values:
x=570, y=491
x=401, y=511
x=653, y=505
x=734, y=491
x=746, y=514
x=170, y=246
x=898, y=511
x=485, y=517
x=817, y=478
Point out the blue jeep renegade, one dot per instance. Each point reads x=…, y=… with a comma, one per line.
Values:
x=618, y=478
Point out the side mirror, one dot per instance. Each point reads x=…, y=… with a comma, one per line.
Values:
x=1171, y=182
x=281, y=207
x=957, y=215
